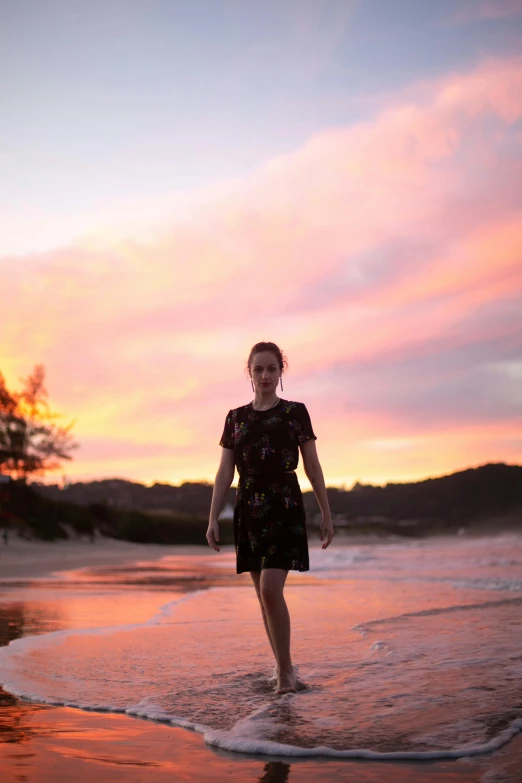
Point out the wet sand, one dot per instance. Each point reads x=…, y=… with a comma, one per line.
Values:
x=61, y=743
x=39, y=743
x=21, y=560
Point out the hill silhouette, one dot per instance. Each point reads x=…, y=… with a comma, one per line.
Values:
x=164, y=513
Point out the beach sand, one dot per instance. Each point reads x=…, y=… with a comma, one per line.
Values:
x=22, y=560
x=65, y=744
x=41, y=742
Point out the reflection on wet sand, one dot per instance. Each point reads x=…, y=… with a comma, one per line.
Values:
x=39, y=743
x=275, y=772
x=19, y=619
x=16, y=719
x=73, y=745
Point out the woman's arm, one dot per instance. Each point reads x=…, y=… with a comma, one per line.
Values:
x=314, y=474
x=222, y=482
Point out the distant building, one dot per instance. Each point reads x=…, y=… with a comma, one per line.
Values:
x=228, y=512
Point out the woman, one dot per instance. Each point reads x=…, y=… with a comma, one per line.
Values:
x=263, y=439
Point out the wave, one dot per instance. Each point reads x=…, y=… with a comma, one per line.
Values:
x=437, y=683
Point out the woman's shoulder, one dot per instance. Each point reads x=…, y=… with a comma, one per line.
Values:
x=240, y=409
x=287, y=405
x=293, y=409
x=293, y=404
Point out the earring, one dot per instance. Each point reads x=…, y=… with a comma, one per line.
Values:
x=281, y=379
x=251, y=381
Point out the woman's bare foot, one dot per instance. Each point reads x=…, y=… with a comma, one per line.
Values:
x=286, y=682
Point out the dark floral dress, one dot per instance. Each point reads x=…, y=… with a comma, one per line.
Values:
x=269, y=515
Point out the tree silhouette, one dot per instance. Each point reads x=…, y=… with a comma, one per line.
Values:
x=30, y=440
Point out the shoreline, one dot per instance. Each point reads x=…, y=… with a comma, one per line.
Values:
x=114, y=747
x=25, y=560
x=82, y=744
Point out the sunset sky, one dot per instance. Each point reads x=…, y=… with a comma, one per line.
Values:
x=181, y=180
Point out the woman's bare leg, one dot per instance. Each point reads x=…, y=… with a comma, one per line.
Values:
x=256, y=579
x=271, y=584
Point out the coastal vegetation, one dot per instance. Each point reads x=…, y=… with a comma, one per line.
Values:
x=33, y=515
x=31, y=442
x=486, y=497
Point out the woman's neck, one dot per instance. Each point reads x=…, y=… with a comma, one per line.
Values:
x=260, y=404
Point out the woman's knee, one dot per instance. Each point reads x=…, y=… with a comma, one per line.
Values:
x=270, y=595
x=271, y=592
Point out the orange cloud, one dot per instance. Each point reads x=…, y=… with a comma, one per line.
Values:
x=374, y=254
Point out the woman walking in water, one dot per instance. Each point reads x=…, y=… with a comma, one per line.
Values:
x=263, y=439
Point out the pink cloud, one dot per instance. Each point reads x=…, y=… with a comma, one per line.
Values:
x=390, y=238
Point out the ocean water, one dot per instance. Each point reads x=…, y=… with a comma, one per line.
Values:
x=404, y=650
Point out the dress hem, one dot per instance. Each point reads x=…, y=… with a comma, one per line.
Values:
x=252, y=570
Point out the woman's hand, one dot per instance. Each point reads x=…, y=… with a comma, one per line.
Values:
x=326, y=531
x=213, y=534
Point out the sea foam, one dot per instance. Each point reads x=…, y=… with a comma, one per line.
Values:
x=401, y=658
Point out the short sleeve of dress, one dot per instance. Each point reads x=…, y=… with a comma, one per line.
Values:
x=304, y=431
x=227, y=438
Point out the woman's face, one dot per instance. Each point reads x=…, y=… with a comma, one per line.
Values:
x=264, y=370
